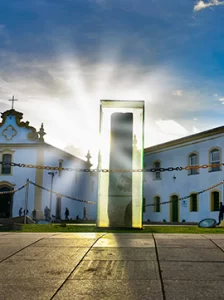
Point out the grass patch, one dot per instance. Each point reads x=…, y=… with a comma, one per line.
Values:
x=93, y=228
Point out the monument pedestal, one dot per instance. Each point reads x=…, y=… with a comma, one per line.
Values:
x=39, y=215
x=120, y=191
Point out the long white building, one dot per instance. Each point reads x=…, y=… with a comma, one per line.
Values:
x=198, y=149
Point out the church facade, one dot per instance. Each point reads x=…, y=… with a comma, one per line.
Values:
x=199, y=149
x=21, y=143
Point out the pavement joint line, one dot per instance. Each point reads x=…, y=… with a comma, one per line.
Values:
x=21, y=249
x=160, y=271
x=216, y=244
x=66, y=279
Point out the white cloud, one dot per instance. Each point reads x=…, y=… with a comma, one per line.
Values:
x=221, y=99
x=215, y=95
x=171, y=127
x=202, y=5
x=178, y=93
x=66, y=93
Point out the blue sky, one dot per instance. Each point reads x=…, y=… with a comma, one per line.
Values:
x=59, y=58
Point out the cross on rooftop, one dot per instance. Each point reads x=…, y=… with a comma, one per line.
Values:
x=12, y=100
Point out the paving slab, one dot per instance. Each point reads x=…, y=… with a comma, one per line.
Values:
x=16, y=235
x=64, y=242
x=218, y=236
x=190, y=254
x=185, y=243
x=193, y=290
x=18, y=242
x=121, y=254
x=18, y=267
x=219, y=243
x=192, y=270
x=110, y=289
x=48, y=253
x=78, y=235
x=178, y=236
x=114, y=270
x=27, y=289
x=4, y=233
x=128, y=243
x=128, y=235
x=6, y=251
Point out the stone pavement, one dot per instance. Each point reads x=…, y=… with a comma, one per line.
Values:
x=111, y=266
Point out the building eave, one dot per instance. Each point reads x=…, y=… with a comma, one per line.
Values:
x=184, y=140
x=67, y=154
x=63, y=153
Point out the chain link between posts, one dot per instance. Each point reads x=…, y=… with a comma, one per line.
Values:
x=14, y=191
x=189, y=196
x=169, y=169
x=94, y=202
x=62, y=195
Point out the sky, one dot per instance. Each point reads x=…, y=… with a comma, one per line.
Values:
x=60, y=58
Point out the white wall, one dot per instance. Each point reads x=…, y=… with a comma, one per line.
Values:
x=19, y=177
x=184, y=183
x=68, y=184
x=65, y=184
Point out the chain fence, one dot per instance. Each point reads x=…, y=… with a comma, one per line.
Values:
x=14, y=191
x=170, y=169
x=189, y=196
x=94, y=202
x=61, y=195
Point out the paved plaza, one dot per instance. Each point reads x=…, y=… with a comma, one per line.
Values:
x=110, y=266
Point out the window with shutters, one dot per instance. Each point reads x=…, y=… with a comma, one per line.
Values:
x=214, y=158
x=193, y=161
x=157, y=174
x=6, y=158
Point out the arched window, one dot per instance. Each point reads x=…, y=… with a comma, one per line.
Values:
x=194, y=202
x=193, y=161
x=214, y=158
x=215, y=199
x=157, y=165
x=6, y=169
x=157, y=204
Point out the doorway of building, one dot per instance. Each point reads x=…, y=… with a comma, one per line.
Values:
x=174, y=208
x=6, y=202
x=58, y=208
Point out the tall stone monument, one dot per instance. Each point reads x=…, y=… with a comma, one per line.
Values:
x=120, y=191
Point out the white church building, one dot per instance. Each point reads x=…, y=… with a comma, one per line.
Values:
x=23, y=144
